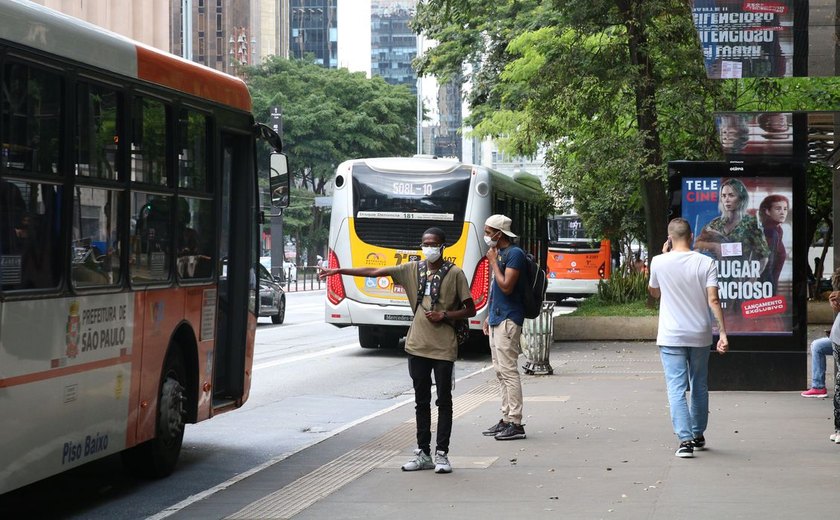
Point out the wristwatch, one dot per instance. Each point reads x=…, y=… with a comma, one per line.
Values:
x=445, y=315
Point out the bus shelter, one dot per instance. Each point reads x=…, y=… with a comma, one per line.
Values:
x=764, y=268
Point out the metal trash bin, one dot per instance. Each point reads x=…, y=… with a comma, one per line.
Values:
x=537, y=337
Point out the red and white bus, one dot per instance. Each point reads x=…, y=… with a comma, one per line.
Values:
x=576, y=261
x=128, y=241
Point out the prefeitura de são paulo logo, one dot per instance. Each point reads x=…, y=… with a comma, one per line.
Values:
x=72, y=332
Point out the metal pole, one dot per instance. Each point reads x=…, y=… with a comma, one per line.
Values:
x=186, y=29
x=278, y=242
x=419, y=104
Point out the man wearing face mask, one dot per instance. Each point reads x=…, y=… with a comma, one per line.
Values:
x=431, y=343
x=504, y=323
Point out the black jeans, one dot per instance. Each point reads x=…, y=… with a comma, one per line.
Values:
x=420, y=369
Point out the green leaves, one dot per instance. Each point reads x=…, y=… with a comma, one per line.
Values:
x=332, y=115
x=329, y=116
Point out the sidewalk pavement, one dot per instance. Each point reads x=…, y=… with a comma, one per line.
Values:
x=599, y=445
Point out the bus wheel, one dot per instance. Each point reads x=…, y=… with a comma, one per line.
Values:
x=278, y=318
x=368, y=338
x=157, y=457
x=391, y=340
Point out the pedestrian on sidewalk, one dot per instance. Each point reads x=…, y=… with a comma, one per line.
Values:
x=504, y=323
x=820, y=349
x=687, y=283
x=431, y=344
x=834, y=335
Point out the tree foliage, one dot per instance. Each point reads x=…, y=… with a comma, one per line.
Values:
x=329, y=116
x=611, y=89
x=589, y=81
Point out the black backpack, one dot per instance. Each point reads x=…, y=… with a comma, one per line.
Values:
x=535, y=286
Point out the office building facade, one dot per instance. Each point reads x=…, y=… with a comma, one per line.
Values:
x=393, y=44
x=313, y=31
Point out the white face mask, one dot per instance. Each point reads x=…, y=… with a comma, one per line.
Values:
x=490, y=242
x=432, y=254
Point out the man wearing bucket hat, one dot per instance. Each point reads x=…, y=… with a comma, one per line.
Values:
x=504, y=323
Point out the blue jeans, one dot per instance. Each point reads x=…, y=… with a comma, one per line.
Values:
x=687, y=367
x=820, y=348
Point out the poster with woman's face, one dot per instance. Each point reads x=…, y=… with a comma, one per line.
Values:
x=767, y=133
x=744, y=223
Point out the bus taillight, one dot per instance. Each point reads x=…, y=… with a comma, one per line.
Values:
x=335, y=287
x=602, y=271
x=480, y=286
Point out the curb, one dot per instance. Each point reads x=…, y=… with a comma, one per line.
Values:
x=620, y=328
x=644, y=328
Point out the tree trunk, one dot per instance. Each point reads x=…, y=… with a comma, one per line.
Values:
x=653, y=189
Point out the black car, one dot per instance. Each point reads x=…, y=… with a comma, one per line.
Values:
x=272, y=297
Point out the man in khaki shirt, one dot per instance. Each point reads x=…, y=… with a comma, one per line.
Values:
x=431, y=344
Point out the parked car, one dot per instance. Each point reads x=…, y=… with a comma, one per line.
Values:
x=272, y=296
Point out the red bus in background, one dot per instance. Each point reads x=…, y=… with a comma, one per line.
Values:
x=576, y=262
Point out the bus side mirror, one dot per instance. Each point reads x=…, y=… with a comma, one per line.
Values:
x=278, y=180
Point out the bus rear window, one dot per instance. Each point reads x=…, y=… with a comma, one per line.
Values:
x=570, y=228
x=393, y=209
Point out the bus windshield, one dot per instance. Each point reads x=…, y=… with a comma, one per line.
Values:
x=388, y=206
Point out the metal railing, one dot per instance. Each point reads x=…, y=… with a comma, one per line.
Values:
x=305, y=279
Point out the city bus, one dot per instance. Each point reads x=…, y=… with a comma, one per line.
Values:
x=128, y=242
x=576, y=261
x=382, y=206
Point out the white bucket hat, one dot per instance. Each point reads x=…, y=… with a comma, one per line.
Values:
x=500, y=222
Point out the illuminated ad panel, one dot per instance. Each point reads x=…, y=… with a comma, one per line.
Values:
x=744, y=223
x=745, y=39
x=768, y=133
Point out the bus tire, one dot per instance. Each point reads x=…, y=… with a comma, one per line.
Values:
x=368, y=338
x=278, y=318
x=391, y=340
x=556, y=297
x=158, y=457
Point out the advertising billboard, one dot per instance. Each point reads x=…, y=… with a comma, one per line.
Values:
x=746, y=39
x=744, y=223
x=749, y=217
x=767, y=133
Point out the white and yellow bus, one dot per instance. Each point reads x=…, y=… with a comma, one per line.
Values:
x=382, y=206
x=128, y=242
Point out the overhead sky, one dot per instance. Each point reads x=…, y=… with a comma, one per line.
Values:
x=354, y=35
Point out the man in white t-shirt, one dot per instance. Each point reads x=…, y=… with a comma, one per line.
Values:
x=687, y=283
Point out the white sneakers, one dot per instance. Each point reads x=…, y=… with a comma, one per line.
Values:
x=442, y=463
x=422, y=461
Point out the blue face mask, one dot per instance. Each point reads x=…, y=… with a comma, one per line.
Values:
x=431, y=253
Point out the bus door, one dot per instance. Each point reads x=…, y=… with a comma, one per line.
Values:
x=235, y=279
